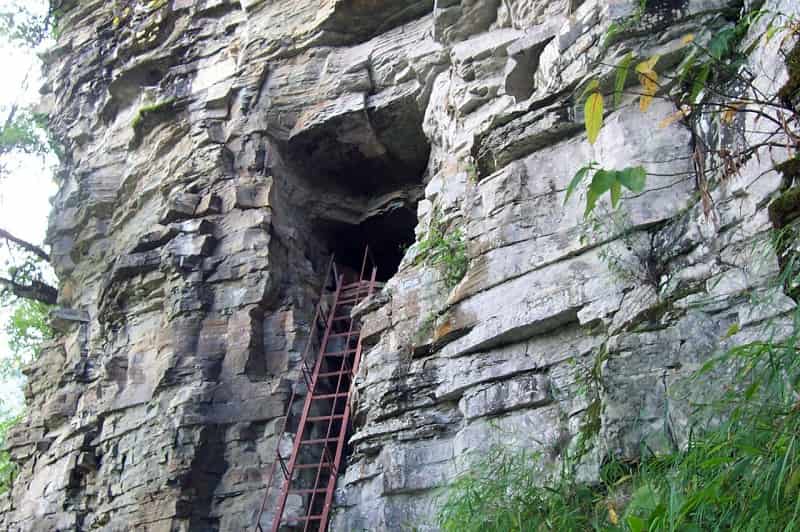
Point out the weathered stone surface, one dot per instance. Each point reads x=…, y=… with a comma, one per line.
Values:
x=190, y=250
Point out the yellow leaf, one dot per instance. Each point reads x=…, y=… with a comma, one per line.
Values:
x=648, y=77
x=612, y=515
x=593, y=112
x=688, y=38
x=730, y=112
x=674, y=117
x=649, y=88
x=670, y=119
x=647, y=66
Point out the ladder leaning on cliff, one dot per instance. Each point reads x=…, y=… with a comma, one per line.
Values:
x=311, y=470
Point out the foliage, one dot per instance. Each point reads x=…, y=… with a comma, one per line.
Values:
x=25, y=132
x=617, y=28
x=7, y=467
x=445, y=249
x=741, y=475
x=593, y=111
x=504, y=493
x=27, y=328
x=611, y=181
x=648, y=78
x=25, y=274
x=22, y=133
x=21, y=25
x=713, y=80
x=156, y=4
x=740, y=470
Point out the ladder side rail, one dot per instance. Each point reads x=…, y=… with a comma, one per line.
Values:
x=324, y=453
x=357, y=360
x=278, y=456
x=337, y=460
x=306, y=408
x=363, y=264
x=343, y=428
x=322, y=458
x=318, y=312
x=338, y=389
x=266, y=495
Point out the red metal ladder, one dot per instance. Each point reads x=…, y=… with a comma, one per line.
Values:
x=311, y=470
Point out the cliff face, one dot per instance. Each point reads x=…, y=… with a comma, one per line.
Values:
x=218, y=150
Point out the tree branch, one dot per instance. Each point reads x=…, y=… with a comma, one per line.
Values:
x=27, y=246
x=37, y=291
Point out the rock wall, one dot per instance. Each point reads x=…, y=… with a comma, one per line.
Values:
x=218, y=150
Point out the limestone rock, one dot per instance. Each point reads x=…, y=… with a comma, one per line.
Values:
x=220, y=150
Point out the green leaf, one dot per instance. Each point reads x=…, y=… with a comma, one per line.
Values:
x=616, y=193
x=633, y=178
x=699, y=82
x=686, y=66
x=771, y=31
x=593, y=85
x=622, y=76
x=613, y=30
x=576, y=180
x=594, y=116
x=602, y=182
x=636, y=524
x=721, y=43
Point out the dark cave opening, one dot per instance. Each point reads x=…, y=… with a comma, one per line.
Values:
x=387, y=234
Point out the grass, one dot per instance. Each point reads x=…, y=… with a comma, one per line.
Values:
x=503, y=493
x=739, y=473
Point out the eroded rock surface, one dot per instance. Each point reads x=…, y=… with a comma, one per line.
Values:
x=220, y=149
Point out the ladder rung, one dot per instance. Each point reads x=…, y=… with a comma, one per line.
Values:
x=309, y=518
x=342, y=335
x=336, y=374
x=356, y=299
x=318, y=441
x=314, y=466
x=340, y=353
x=308, y=490
x=329, y=396
x=351, y=295
x=325, y=418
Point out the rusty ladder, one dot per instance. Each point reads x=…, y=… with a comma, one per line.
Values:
x=320, y=433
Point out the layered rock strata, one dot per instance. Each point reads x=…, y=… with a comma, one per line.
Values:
x=219, y=150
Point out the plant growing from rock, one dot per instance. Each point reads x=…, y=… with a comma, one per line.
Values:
x=741, y=472
x=444, y=248
x=712, y=81
x=151, y=109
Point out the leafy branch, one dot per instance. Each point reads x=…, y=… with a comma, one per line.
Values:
x=25, y=279
x=698, y=88
x=611, y=181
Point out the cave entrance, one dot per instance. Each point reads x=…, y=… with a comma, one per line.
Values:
x=387, y=234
